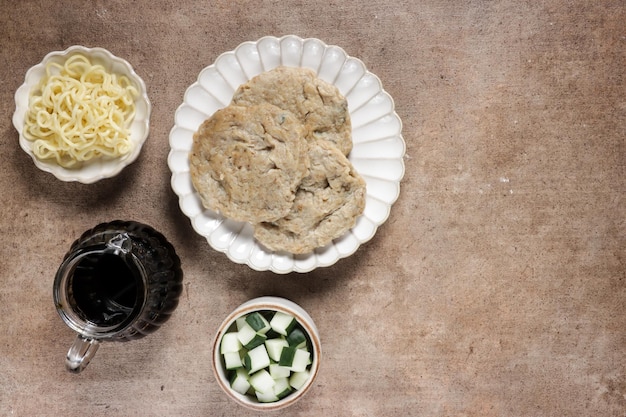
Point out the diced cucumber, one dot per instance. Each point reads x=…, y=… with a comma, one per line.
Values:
x=271, y=334
x=258, y=322
x=258, y=340
x=268, y=356
x=295, y=359
x=282, y=387
x=297, y=338
x=240, y=381
x=256, y=359
x=300, y=360
x=232, y=360
x=274, y=347
x=230, y=343
x=286, y=356
x=232, y=375
x=277, y=371
x=240, y=321
x=249, y=338
x=266, y=397
x=282, y=323
x=245, y=333
x=298, y=379
x=262, y=381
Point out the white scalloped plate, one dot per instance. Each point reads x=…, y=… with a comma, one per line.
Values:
x=98, y=169
x=377, y=153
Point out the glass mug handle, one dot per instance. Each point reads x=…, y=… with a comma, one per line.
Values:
x=80, y=354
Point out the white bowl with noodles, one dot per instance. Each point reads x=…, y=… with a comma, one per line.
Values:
x=377, y=154
x=99, y=168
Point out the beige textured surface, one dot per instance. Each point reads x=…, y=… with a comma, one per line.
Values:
x=496, y=288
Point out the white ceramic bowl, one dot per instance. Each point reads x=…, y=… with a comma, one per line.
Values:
x=98, y=169
x=264, y=304
x=377, y=153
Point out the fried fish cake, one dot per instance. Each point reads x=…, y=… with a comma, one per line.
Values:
x=319, y=105
x=246, y=162
x=327, y=203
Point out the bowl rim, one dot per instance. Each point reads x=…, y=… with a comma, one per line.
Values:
x=262, y=304
x=79, y=175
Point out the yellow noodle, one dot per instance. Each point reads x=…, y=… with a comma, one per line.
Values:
x=80, y=112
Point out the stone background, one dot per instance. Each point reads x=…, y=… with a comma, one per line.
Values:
x=496, y=288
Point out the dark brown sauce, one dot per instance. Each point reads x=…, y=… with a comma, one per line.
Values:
x=105, y=289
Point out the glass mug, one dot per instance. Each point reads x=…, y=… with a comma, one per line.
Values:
x=118, y=282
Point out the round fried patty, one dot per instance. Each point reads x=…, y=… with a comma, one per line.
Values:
x=318, y=104
x=247, y=161
x=327, y=204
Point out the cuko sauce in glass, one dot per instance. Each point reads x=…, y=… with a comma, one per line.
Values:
x=119, y=281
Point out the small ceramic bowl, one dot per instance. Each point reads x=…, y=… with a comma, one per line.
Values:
x=263, y=304
x=97, y=169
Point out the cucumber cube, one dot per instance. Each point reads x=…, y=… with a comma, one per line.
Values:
x=232, y=360
x=240, y=381
x=230, y=343
x=240, y=321
x=258, y=322
x=266, y=397
x=271, y=334
x=282, y=323
x=258, y=339
x=249, y=338
x=295, y=359
x=282, y=387
x=298, y=379
x=256, y=359
x=277, y=371
x=296, y=338
x=262, y=381
x=274, y=348
x=286, y=356
x=245, y=333
x=300, y=360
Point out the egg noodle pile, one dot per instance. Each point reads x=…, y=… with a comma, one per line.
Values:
x=80, y=112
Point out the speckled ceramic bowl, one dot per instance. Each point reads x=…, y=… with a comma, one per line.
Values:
x=98, y=169
x=268, y=304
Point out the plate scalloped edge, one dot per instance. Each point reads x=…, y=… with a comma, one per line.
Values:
x=377, y=154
